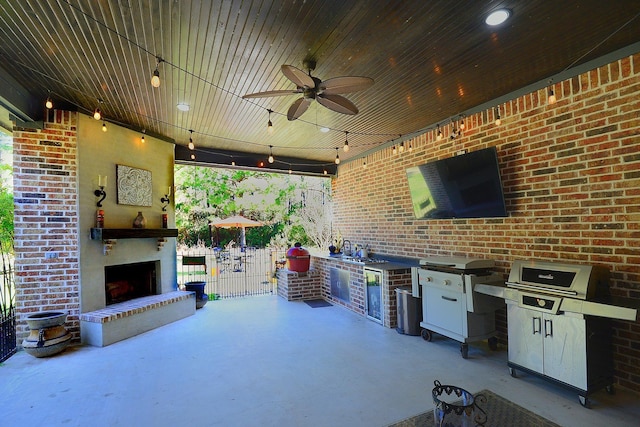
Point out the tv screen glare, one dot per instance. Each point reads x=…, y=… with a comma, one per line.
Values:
x=464, y=186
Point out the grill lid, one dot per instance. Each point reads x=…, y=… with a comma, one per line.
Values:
x=572, y=280
x=457, y=263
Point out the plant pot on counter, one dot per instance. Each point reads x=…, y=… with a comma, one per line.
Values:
x=47, y=336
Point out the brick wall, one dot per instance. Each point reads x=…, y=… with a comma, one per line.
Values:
x=571, y=177
x=46, y=220
x=294, y=286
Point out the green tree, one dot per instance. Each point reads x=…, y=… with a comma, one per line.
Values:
x=288, y=205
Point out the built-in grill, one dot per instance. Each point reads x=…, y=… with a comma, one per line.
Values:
x=558, y=318
x=450, y=306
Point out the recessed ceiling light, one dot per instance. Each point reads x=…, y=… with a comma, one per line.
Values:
x=497, y=17
x=324, y=130
x=183, y=107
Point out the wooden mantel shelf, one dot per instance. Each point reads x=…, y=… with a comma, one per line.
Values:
x=110, y=235
x=132, y=233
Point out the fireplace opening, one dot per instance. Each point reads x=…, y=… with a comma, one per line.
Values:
x=125, y=282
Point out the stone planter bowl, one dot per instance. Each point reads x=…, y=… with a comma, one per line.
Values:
x=46, y=319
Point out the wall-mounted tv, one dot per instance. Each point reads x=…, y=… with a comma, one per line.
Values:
x=463, y=186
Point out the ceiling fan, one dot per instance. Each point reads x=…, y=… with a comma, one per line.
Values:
x=325, y=92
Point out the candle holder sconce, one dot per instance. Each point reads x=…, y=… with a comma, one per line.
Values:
x=102, y=184
x=100, y=193
x=166, y=200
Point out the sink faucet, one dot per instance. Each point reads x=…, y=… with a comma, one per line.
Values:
x=344, y=247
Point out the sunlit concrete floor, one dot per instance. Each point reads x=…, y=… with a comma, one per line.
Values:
x=263, y=361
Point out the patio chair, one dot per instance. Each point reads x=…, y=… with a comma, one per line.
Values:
x=195, y=261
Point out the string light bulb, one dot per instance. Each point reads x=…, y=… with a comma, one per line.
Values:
x=233, y=162
x=193, y=156
x=551, y=99
x=364, y=164
x=191, y=145
x=394, y=150
x=271, y=159
x=337, y=157
x=269, y=123
x=410, y=147
x=97, y=114
x=461, y=127
x=402, y=147
x=104, y=126
x=48, y=103
x=346, y=141
x=155, y=79
x=498, y=120
x=142, y=137
x=438, y=133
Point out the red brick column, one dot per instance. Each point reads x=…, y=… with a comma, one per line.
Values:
x=46, y=221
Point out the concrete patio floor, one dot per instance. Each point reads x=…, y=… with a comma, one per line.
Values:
x=263, y=361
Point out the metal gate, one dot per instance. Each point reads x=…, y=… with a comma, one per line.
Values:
x=233, y=272
x=7, y=312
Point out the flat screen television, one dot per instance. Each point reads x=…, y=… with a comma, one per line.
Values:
x=463, y=186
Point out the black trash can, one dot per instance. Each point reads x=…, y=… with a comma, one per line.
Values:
x=198, y=288
x=409, y=311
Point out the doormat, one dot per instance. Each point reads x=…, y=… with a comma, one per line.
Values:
x=500, y=412
x=315, y=303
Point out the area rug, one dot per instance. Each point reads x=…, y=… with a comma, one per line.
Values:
x=500, y=413
x=316, y=303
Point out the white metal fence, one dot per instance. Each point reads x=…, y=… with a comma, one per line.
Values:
x=230, y=273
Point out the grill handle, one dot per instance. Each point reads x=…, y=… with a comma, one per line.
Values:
x=449, y=298
x=537, y=330
x=541, y=288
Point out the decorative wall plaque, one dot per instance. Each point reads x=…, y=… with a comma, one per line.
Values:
x=134, y=186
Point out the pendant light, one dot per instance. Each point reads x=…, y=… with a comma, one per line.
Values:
x=337, y=157
x=142, y=137
x=191, y=146
x=271, y=159
x=104, y=126
x=438, y=133
x=498, y=120
x=346, y=141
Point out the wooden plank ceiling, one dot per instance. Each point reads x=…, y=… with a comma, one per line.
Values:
x=431, y=61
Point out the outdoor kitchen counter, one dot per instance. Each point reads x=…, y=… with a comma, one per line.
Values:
x=390, y=263
x=344, y=283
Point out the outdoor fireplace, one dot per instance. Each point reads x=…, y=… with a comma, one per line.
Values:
x=129, y=281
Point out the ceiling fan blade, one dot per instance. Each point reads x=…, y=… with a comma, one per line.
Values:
x=345, y=84
x=298, y=108
x=297, y=76
x=270, y=93
x=337, y=103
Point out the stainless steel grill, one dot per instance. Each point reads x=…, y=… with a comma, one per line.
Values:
x=558, y=318
x=450, y=306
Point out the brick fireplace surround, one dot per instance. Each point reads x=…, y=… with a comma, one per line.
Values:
x=58, y=267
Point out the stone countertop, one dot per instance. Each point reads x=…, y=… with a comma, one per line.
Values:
x=393, y=263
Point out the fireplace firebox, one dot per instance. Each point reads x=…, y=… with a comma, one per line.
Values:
x=125, y=282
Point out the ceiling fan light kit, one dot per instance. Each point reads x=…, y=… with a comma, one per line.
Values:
x=327, y=93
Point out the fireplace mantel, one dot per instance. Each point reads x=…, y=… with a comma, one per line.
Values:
x=109, y=236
